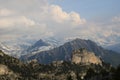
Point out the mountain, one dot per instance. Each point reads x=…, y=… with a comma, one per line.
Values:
x=4, y=48
x=23, y=47
x=41, y=45
x=13, y=49
x=13, y=69
x=53, y=41
x=38, y=46
x=115, y=47
x=82, y=56
x=8, y=50
x=64, y=52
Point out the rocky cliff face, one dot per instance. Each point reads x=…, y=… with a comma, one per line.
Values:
x=3, y=69
x=82, y=56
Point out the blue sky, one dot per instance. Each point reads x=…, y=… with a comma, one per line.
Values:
x=91, y=9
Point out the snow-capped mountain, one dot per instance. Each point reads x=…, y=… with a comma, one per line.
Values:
x=41, y=45
x=38, y=46
x=23, y=47
x=54, y=42
x=4, y=48
x=13, y=48
x=9, y=49
x=64, y=52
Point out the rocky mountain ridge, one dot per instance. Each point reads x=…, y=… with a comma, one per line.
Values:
x=64, y=52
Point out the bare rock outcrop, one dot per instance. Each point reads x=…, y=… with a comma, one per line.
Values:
x=82, y=56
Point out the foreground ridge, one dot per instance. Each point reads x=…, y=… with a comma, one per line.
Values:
x=13, y=69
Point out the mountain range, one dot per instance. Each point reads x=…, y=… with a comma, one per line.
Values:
x=115, y=47
x=13, y=69
x=30, y=47
x=64, y=52
x=13, y=50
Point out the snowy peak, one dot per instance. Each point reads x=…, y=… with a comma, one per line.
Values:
x=54, y=42
x=40, y=43
x=37, y=47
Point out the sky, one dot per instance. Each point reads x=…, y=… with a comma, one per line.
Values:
x=90, y=9
x=24, y=20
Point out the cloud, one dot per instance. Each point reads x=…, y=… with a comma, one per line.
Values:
x=101, y=32
x=46, y=19
x=35, y=19
x=60, y=16
x=5, y=12
x=14, y=21
x=116, y=19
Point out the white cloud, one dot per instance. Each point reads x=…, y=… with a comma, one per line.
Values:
x=57, y=13
x=75, y=18
x=60, y=16
x=6, y=12
x=14, y=21
x=116, y=19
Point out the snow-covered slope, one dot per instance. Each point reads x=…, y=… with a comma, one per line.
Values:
x=9, y=49
x=4, y=48
x=41, y=45
x=22, y=47
x=13, y=49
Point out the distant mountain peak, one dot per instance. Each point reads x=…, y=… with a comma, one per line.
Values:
x=37, y=45
x=41, y=43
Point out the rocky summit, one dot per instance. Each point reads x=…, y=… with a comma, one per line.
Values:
x=82, y=56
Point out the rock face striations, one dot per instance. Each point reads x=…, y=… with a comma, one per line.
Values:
x=82, y=56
